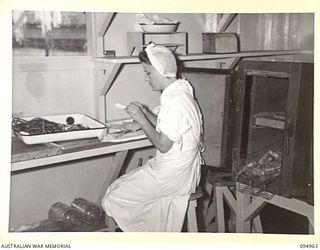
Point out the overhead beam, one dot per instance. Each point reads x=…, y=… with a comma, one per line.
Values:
x=225, y=22
x=102, y=31
x=106, y=23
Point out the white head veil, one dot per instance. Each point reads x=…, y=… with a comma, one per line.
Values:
x=162, y=59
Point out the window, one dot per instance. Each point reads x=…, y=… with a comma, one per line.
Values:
x=39, y=33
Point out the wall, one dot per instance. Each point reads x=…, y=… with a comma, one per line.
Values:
x=294, y=31
x=209, y=91
x=52, y=86
x=276, y=31
x=130, y=86
x=33, y=192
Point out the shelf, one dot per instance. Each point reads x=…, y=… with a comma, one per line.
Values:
x=167, y=45
x=72, y=150
x=269, y=123
x=270, y=120
x=201, y=56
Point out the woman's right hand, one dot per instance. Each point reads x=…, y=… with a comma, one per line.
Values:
x=143, y=107
x=137, y=112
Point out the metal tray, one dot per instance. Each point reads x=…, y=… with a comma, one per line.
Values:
x=96, y=129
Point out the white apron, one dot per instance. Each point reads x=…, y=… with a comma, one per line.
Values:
x=154, y=197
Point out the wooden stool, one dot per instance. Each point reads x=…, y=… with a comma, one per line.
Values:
x=216, y=185
x=192, y=222
x=219, y=186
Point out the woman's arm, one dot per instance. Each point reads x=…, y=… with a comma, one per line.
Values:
x=151, y=117
x=148, y=113
x=159, y=140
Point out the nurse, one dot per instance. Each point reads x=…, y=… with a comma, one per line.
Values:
x=154, y=197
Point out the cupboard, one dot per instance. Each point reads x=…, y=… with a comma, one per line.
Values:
x=271, y=110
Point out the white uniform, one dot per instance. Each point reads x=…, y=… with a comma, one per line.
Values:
x=154, y=197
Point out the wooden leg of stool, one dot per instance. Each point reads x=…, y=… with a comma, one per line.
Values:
x=209, y=207
x=311, y=227
x=256, y=224
x=110, y=223
x=311, y=223
x=232, y=222
x=206, y=202
x=243, y=201
x=192, y=217
x=218, y=194
x=211, y=213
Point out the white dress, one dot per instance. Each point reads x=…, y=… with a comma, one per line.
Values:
x=154, y=197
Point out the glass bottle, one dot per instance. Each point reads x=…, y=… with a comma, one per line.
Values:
x=67, y=215
x=90, y=211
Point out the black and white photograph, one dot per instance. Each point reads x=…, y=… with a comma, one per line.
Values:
x=197, y=123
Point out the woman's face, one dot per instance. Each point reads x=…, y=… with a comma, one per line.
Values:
x=153, y=77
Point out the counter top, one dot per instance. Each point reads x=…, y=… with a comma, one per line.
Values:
x=30, y=156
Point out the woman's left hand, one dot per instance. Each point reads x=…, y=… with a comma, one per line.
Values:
x=136, y=112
